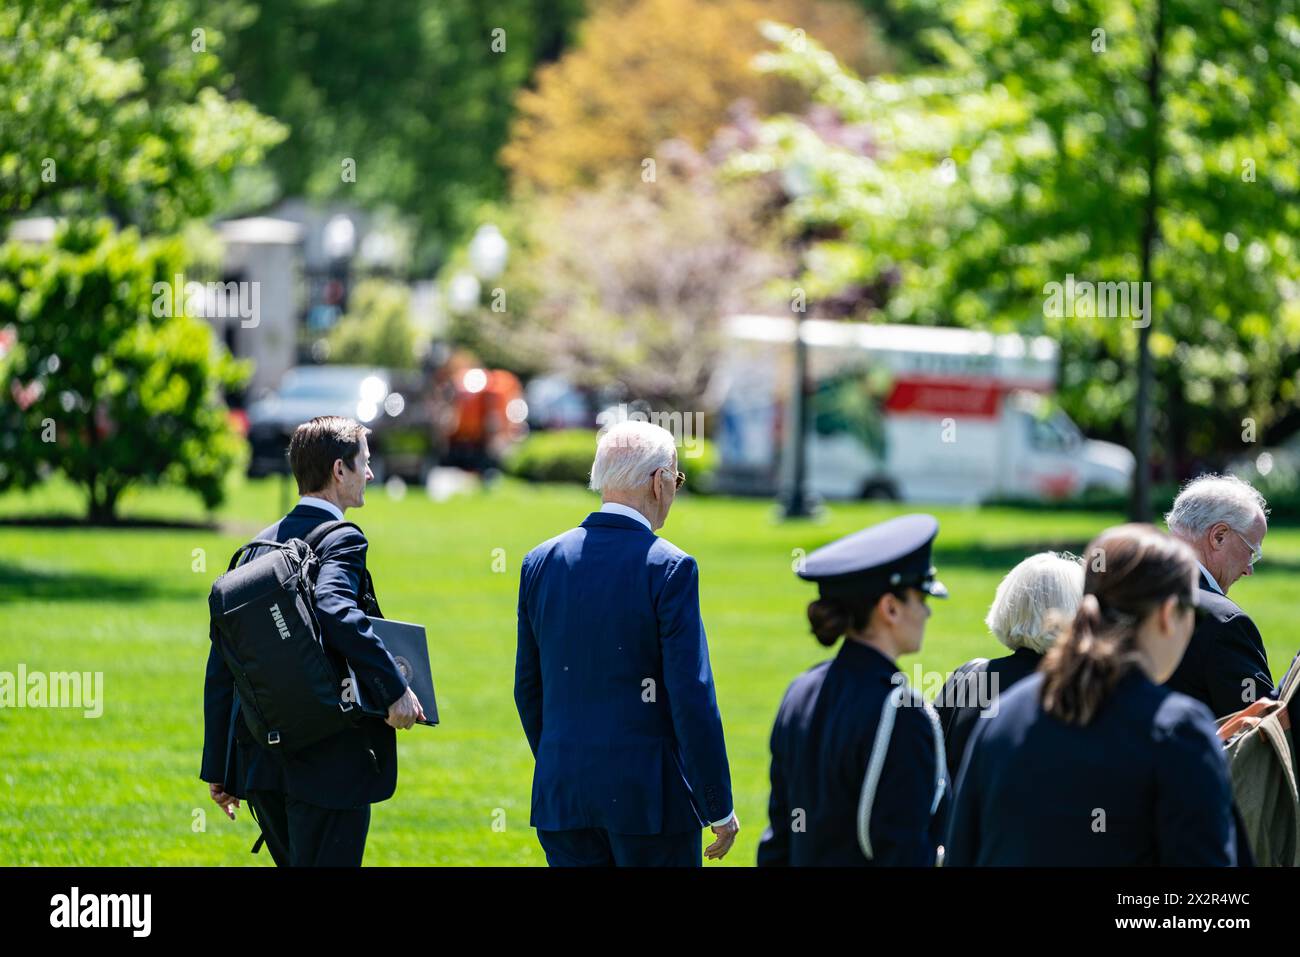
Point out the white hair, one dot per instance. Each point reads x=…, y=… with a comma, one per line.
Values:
x=628, y=453
x=1209, y=499
x=1035, y=600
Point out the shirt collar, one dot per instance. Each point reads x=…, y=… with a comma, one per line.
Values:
x=617, y=508
x=1214, y=585
x=321, y=503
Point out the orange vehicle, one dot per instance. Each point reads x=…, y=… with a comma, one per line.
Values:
x=487, y=413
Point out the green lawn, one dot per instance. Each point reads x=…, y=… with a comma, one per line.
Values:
x=123, y=788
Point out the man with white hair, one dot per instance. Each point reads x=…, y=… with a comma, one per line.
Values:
x=1224, y=520
x=612, y=676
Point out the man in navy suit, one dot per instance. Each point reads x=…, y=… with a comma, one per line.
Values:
x=313, y=806
x=612, y=677
x=1224, y=520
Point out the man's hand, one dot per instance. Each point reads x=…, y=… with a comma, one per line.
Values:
x=726, y=837
x=405, y=711
x=227, y=802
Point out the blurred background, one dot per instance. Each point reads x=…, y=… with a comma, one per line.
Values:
x=1028, y=265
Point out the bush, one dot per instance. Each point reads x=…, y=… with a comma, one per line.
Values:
x=1093, y=500
x=1280, y=486
x=565, y=456
x=104, y=383
x=377, y=330
x=560, y=456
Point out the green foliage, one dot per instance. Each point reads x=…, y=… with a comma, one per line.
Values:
x=378, y=329
x=413, y=91
x=1280, y=484
x=565, y=455
x=1028, y=155
x=626, y=285
x=561, y=456
x=100, y=387
x=700, y=463
x=108, y=108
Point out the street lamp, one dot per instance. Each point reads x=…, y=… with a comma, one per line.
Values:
x=463, y=293
x=488, y=251
x=339, y=242
x=796, y=180
x=339, y=238
x=797, y=502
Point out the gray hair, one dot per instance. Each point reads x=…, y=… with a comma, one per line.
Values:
x=628, y=453
x=1209, y=499
x=1036, y=600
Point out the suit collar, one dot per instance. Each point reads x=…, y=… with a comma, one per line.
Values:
x=618, y=508
x=614, y=520
x=1208, y=583
x=311, y=512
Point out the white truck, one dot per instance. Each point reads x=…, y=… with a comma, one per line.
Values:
x=903, y=412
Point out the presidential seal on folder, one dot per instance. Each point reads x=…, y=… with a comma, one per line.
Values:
x=406, y=643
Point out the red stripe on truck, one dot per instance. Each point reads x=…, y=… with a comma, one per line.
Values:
x=946, y=397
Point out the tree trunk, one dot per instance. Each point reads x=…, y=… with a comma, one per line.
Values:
x=103, y=501
x=1141, y=504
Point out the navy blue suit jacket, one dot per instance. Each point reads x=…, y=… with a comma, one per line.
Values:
x=613, y=684
x=958, y=702
x=356, y=766
x=1145, y=783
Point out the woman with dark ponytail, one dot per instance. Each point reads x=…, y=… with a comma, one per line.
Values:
x=1091, y=761
x=858, y=772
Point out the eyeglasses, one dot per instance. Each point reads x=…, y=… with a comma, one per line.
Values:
x=1256, y=551
x=681, y=476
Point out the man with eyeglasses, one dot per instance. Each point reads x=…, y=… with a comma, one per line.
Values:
x=612, y=676
x=1224, y=520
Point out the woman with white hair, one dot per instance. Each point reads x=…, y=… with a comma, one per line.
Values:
x=1036, y=600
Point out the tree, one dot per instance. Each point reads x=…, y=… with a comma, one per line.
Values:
x=1105, y=141
x=107, y=382
x=623, y=287
x=377, y=329
x=418, y=95
x=647, y=71
x=111, y=109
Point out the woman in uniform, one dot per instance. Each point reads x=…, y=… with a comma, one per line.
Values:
x=1090, y=761
x=858, y=771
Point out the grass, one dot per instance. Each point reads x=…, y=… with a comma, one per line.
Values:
x=123, y=788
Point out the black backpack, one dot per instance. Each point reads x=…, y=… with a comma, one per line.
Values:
x=263, y=621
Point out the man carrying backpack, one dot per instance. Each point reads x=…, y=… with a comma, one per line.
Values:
x=313, y=803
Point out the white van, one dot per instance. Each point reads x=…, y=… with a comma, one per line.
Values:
x=904, y=412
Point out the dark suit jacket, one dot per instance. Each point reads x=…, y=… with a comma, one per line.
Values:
x=1144, y=784
x=958, y=703
x=354, y=767
x=614, y=687
x=1225, y=666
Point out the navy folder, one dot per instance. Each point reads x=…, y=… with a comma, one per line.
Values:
x=407, y=644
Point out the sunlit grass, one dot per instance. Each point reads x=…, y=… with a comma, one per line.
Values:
x=123, y=788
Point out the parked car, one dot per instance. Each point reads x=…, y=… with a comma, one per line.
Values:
x=394, y=405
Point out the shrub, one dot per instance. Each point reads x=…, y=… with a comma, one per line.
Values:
x=565, y=456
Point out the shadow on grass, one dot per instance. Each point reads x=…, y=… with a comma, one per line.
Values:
x=73, y=521
x=1005, y=556
x=18, y=583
